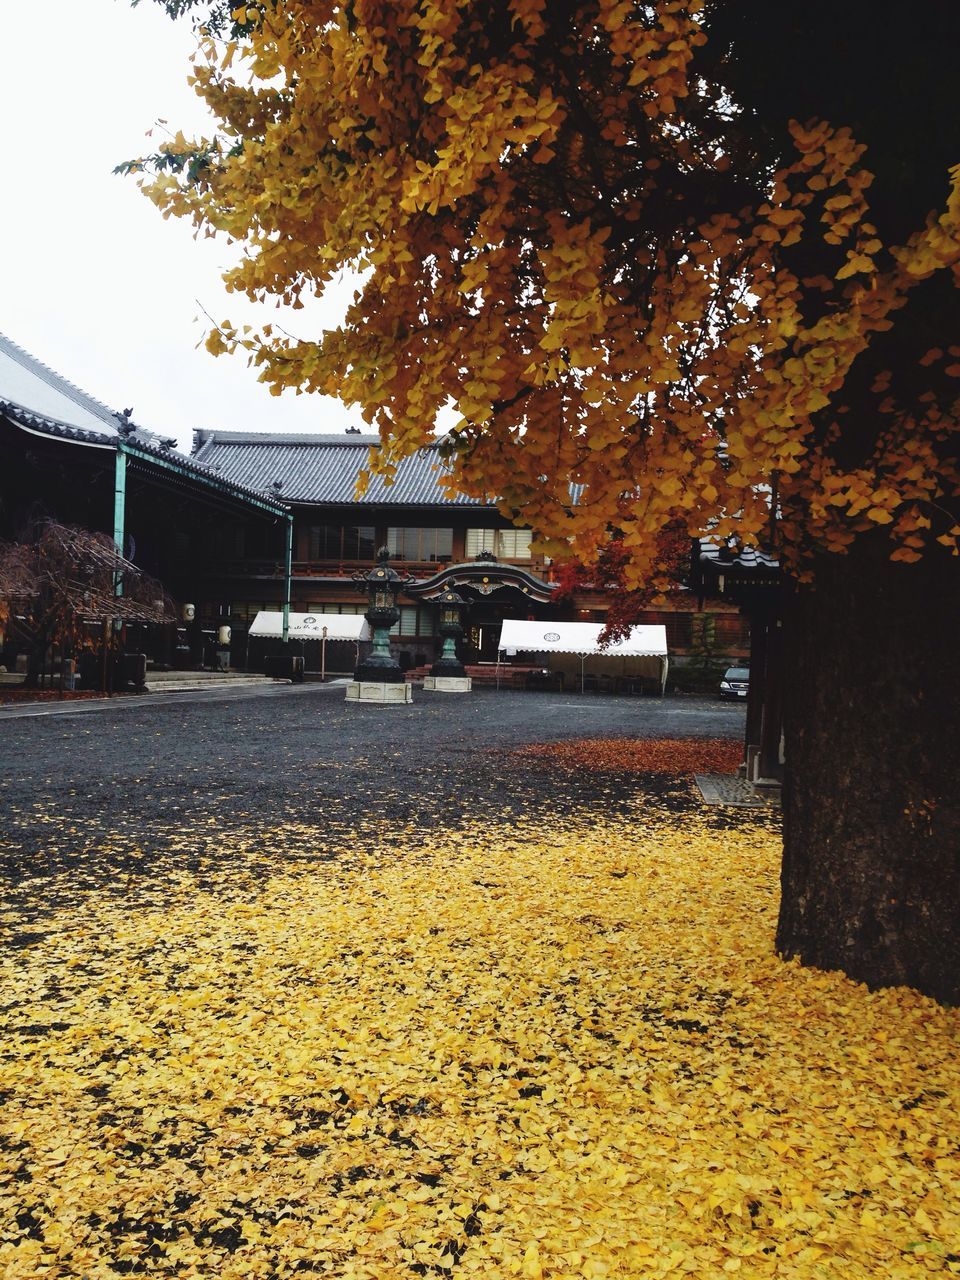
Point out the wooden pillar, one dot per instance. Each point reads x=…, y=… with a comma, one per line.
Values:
x=769, y=766
x=759, y=626
x=287, y=575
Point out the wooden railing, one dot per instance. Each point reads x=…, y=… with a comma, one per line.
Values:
x=262, y=568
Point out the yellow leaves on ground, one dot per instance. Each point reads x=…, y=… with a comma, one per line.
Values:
x=495, y=1052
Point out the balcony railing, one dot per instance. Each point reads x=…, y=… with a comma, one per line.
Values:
x=262, y=568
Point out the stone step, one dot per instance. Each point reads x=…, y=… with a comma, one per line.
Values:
x=488, y=674
x=192, y=681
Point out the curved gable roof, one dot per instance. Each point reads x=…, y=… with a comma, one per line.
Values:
x=485, y=574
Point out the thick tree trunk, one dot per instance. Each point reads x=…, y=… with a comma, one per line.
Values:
x=871, y=869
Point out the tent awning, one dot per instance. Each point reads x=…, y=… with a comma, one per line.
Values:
x=581, y=638
x=312, y=626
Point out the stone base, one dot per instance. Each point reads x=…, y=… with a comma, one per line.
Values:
x=371, y=672
x=379, y=692
x=448, y=684
x=726, y=789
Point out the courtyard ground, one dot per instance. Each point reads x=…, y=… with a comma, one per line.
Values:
x=292, y=987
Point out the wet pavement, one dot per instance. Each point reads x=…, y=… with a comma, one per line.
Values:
x=99, y=794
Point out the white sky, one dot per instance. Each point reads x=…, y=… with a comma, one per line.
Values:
x=93, y=281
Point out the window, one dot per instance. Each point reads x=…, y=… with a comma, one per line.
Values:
x=323, y=542
x=514, y=544
x=359, y=542
x=480, y=540
x=414, y=621
x=506, y=544
x=341, y=542
x=420, y=544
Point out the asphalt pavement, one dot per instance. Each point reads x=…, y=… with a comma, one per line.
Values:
x=96, y=794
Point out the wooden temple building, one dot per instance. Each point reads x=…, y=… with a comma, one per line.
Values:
x=436, y=538
x=64, y=456
x=260, y=521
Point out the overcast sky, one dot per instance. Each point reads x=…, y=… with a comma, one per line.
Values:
x=93, y=281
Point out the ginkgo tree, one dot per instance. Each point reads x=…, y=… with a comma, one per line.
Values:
x=647, y=264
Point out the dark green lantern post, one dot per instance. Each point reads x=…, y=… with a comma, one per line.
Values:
x=447, y=675
x=450, y=627
x=382, y=586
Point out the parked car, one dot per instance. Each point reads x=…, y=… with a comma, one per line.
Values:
x=735, y=683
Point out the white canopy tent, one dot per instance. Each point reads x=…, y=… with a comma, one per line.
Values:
x=583, y=638
x=311, y=626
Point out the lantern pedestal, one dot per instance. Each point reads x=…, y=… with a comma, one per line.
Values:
x=379, y=668
x=448, y=684
x=381, y=692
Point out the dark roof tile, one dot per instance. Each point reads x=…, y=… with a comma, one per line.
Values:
x=144, y=442
x=323, y=469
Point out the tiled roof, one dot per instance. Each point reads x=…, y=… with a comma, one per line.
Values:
x=26, y=382
x=323, y=469
x=746, y=559
x=740, y=574
x=51, y=427
x=35, y=397
x=143, y=442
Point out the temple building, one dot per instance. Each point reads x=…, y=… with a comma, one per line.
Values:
x=64, y=456
x=437, y=538
x=252, y=522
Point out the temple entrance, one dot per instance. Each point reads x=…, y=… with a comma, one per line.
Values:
x=492, y=592
x=486, y=611
x=482, y=635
